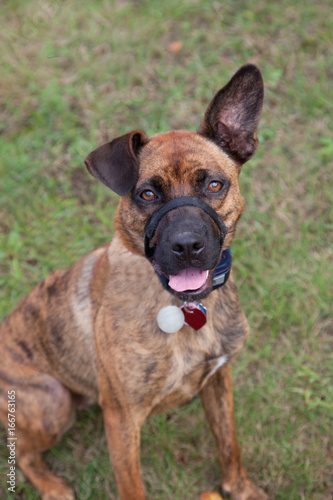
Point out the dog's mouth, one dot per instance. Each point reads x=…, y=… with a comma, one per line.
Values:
x=190, y=279
x=189, y=283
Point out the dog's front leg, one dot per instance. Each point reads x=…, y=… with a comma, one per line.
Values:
x=123, y=436
x=217, y=398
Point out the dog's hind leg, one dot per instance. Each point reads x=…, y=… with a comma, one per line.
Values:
x=44, y=409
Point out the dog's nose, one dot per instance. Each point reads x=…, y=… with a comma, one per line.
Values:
x=187, y=245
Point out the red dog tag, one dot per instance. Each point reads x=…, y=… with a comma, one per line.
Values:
x=195, y=314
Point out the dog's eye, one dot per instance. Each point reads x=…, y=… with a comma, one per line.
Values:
x=147, y=195
x=215, y=186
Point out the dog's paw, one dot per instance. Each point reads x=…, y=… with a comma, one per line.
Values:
x=210, y=495
x=59, y=492
x=248, y=492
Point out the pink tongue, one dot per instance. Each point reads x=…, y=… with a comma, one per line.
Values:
x=188, y=279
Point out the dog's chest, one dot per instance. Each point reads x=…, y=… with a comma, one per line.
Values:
x=185, y=366
x=158, y=369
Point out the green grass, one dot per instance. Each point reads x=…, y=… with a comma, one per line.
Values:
x=74, y=75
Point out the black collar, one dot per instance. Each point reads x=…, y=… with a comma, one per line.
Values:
x=222, y=270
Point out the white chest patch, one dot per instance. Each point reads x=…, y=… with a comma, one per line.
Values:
x=215, y=364
x=220, y=361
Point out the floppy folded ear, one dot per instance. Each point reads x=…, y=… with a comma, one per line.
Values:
x=232, y=118
x=116, y=163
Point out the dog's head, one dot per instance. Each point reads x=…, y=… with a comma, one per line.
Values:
x=186, y=241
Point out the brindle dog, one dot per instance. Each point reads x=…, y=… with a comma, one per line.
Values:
x=91, y=334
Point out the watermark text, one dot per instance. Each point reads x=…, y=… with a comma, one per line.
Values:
x=11, y=441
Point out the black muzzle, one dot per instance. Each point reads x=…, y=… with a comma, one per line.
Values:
x=183, y=201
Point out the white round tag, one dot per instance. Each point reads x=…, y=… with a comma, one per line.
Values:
x=170, y=319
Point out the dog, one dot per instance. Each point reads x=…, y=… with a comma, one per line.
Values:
x=152, y=319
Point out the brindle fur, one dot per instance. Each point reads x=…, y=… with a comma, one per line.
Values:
x=90, y=333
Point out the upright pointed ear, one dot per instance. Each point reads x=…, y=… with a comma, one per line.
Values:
x=116, y=163
x=232, y=118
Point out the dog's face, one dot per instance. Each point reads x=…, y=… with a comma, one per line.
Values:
x=186, y=243
x=149, y=172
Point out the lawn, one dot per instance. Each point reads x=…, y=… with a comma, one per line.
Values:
x=76, y=74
